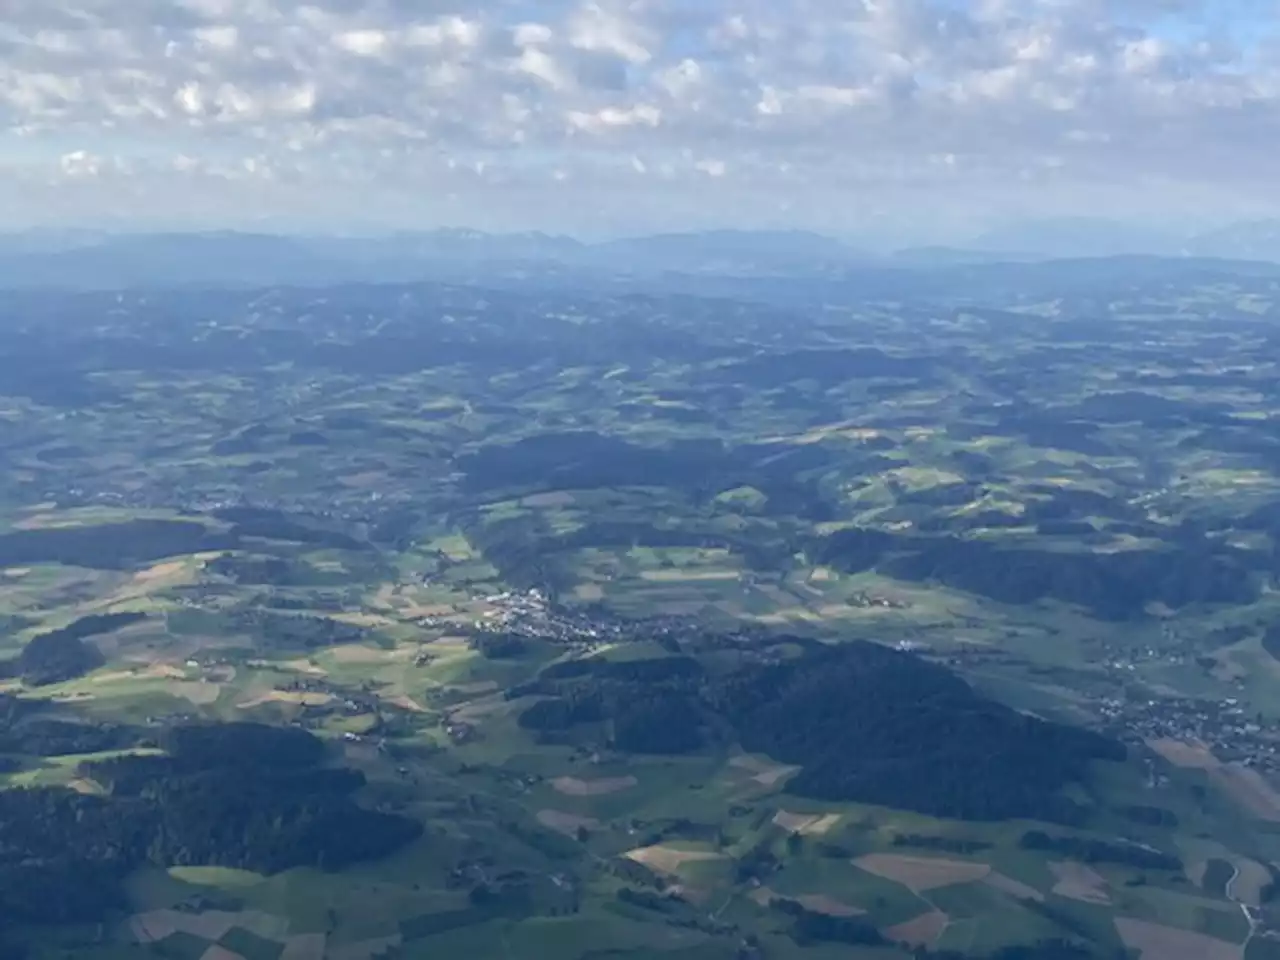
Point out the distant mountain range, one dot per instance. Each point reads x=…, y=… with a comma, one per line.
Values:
x=1095, y=237
x=89, y=259
x=83, y=258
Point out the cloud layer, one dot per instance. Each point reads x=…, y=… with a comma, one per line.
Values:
x=617, y=113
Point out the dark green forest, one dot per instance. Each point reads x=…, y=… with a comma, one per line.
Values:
x=34, y=728
x=63, y=654
x=238, y=795
x=862, y=721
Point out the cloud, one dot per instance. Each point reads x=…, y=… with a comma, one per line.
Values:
x=645, y=108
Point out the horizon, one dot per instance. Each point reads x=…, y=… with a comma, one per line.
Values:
x=922, y=121
x=1042, y=239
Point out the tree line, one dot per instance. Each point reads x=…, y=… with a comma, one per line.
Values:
x=861, y=721
x=239, y=795
x=1114, y=585
x=62, y=654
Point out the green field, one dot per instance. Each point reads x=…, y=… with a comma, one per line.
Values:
x=392, y=548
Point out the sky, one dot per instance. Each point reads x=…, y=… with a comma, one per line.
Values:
x=927, y=118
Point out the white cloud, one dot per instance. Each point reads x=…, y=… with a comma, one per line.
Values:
x=847, y=107
x=80, y=163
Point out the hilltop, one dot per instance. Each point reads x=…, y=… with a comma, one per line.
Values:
x=708, y=617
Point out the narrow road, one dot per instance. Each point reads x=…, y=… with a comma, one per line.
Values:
x=1244, y=908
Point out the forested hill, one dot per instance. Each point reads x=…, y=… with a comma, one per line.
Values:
x=862, y=721
x=868, y=723
x=238, y=795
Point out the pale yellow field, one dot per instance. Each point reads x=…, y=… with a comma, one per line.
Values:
x=763, y=771
x=665, y=859
x=308, y=698
x=1156, y=942
x=921, y=931
x=806, y=824
x=817, y=902
x=1076, y=881
x=305, y=946
x=1015, y=888
x=575, y=787
x=921, y=874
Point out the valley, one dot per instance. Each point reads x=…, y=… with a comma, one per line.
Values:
x=551, y=622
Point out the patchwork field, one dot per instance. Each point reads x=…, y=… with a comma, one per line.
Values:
x=679, y=626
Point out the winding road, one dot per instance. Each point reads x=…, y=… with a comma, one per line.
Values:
x=1244, y=908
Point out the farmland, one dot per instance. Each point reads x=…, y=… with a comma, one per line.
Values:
x=664, y=624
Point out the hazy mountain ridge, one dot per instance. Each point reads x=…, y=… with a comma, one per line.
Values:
x=89, y=259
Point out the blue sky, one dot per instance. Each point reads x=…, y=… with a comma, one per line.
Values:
x=931, y=118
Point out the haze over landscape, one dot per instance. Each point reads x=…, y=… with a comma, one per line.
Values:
x=639, y=480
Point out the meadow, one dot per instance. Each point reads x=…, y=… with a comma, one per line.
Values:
x=382, y=515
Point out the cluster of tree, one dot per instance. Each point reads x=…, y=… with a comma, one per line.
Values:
x=14, y=708
x=502, y=897
x=11, y=623
x=529, y=554
x=237, y=795
x=62, y=654
x=958, y=845
x=876, y=725
x=311, y=600
x=1271, y=640
x=636, y=873
x=826, y=367
x=521, y=550
x=810, y=926
x=272, y=571
x=99, y=623
x=1138, y=406
x=394, y=528
x=1068, y=528
x=282, y=631
x=862, y=721
x=269, y=524
x=641, y=719
x=766, y=553
x=658, y=670
x=498, y=645
x=549, y=843
x=586, y=460
x=648, y=899
x=757, y=863
x=1113, y=585
x=660, y=722
x=650, y=706
x=59, y=737
x=699, y=468
x=1092, y=850
x=49, y=380
x=1149, y=816
x=110, y=546
x=579, y=704
x=307, y=438
x=1271, y=889
x=52, y=658
x=117, y=546
x=681, y=828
